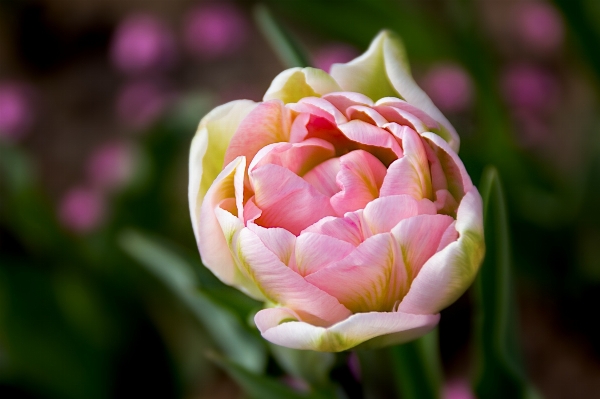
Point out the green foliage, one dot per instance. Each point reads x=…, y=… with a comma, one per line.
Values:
x=499, y=369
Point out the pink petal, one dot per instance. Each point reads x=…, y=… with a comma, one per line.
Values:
x=371, y=278
x=401, y=117
x=419, y=238
x=373, y=136
x=279, y=241
x=282, y=285
x=343, y=100
x=323, y=177
x=409, y=174
x=297, y=157
x=316, y=251
x=268, y=123
x=366, y=114
x=286, y=200
x=369, y=330
x=349, y=228
x=383, y=214
x=448, y=273
x=323, y=106
x=458, y=179
x=402, y=105
x=360, y=177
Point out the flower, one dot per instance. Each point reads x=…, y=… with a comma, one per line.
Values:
x=450, y=87
x=16, y=110
x=334, y=53
x=82, y=210
x=142, y=43
x=540, y=26
x=340, y=201
x=111, y=166
x=214, y=30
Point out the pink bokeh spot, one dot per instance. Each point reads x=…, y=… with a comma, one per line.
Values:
x=81, y=210
x=458, y=389
x=16, y=113
x=334, y=53
x=141, y=43
x=110, y=166
x=450, y=87
x=529, y=87
x=540, y=26
x=214, y=30
x=141, y=103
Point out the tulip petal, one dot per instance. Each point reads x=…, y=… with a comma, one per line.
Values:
x=213, y=136
x=369, y=330
x=293, y=84
x=316, y=251
x=383, y=71
x=281, y=285
x=297, y=157
x=360, y=177
x=349, y=228
x=457, y=178
x=286, y=200
x=383, y=214
x=419, y=238
x=448, y=273
x=215, y=228
x=267, y=123
x=372, y=278
x=323, y=177
x=343, y=100
x=410, y=174
x=320, y=107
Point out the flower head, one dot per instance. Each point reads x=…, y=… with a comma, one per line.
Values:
x=340, y=201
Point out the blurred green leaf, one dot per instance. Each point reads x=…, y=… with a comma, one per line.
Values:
x=417, y=367
x=283, y=44
x=313, y=367
x=499, y=369
x=260, y=386
x=227, y=330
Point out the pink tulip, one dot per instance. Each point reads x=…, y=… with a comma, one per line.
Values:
x=458, y=389
x=540, y=26
x=16, y=113
x=450, y=87
x=214, y=30
x=141, y=103
x=81, y=210
x=340, y=201
x=111, y=166
x=529, y=87
x=142, y=43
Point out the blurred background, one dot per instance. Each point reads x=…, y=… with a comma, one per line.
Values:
x=99, y=100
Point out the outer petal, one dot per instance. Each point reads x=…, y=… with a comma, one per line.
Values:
x=213, y=136
x=282, y=285
x=294, y=84
x=316, y=251
x=216, y=228
x=383, y=71
x=369, y=330
x=448, y=273
x=268, y=123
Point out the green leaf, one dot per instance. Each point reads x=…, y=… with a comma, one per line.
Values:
x=417, y=367
x=282, y=43
x=228, y=331
x=499, y=369
x=260, y=386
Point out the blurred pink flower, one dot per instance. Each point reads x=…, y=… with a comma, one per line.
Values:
x=458, y=389
x=214, y=30
x=540, y=26
x=529, y=87
x=110, y=166
x=16, y=111
x=141, y=43
x=354, y=366
x=334, y=53
x=81, y=210
x=450, y=87
x=141, y=103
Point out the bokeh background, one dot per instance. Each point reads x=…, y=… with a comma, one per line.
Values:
x=99, y=100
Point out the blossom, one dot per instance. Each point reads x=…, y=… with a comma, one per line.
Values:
x=16, y=110
x=450, y=87
x=334, y=53
x=82, y=210
x=339, y=201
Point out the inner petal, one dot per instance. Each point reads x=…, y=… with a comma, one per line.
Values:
x=286, y=200
x=360, y=177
